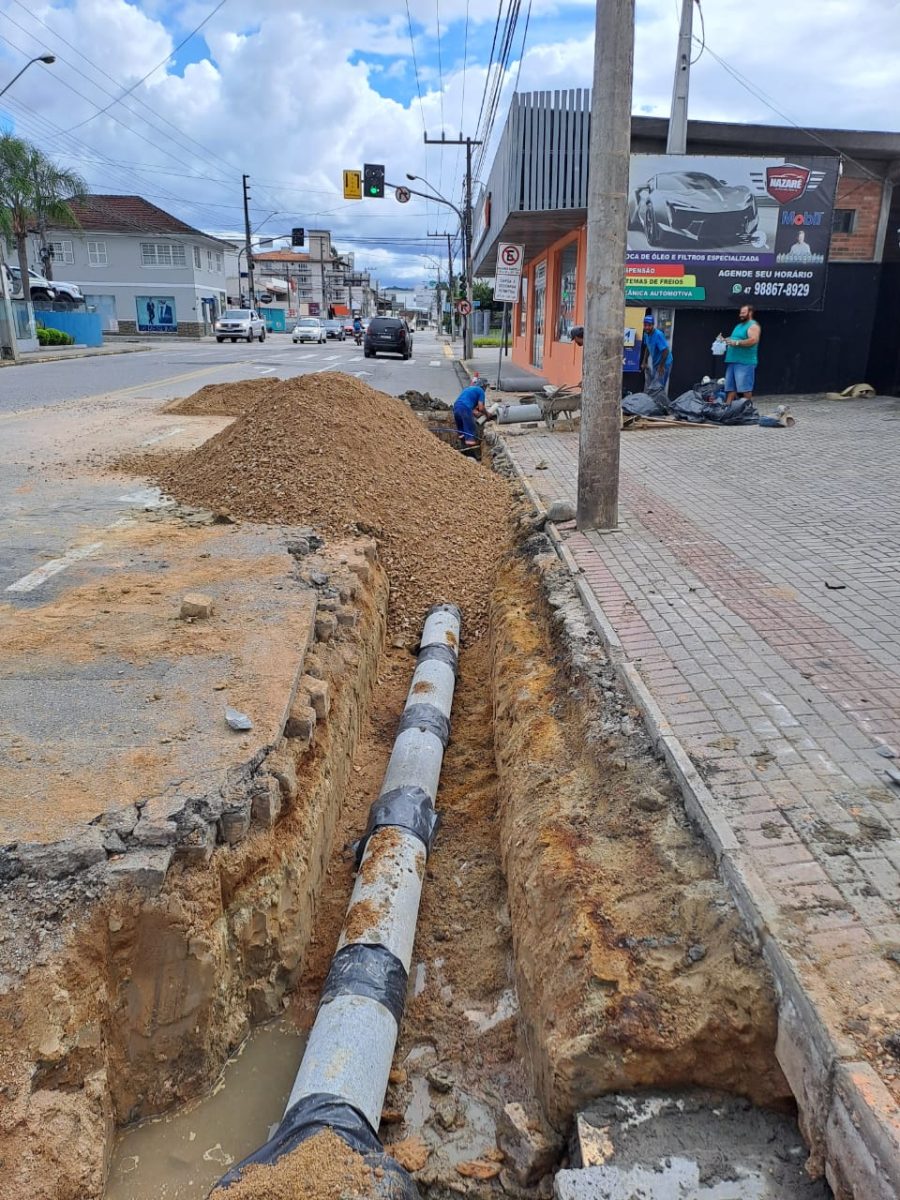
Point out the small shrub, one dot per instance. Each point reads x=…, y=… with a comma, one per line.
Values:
x=47, y=336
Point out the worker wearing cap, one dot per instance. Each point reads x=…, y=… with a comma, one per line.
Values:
x=576, y=334
x=469, y=404
x=656, y=356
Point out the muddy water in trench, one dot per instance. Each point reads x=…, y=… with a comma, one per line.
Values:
x=180, y=1156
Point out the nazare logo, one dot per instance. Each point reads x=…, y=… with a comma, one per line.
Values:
x=787, y=183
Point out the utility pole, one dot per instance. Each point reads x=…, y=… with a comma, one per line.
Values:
x=676, y=142
x=249, y=248
x=449, y=279
x=610, y=149
x=468, y=142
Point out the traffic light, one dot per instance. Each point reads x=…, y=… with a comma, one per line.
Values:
x=298, y=237
x=373, y=180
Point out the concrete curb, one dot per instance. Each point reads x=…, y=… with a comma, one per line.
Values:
x=87, y=352
x=848, y=1116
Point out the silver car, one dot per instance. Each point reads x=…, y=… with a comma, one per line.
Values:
x=243, y=323
x=309, y=329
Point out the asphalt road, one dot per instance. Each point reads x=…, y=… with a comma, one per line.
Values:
x=62, y=422
x=175, y=370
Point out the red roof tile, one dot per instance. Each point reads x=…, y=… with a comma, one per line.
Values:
x=130, y=214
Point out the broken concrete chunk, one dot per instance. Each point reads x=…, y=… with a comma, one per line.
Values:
x=197, y=845
x=530, y=1153
x=149, y=832
x=319, y=695
x=58, y=859
x=237, y=720
x=360, y=569
x=347, y=618
x=301, y=724
x=196, y=605
x=234, y=824
x=120, y=821
x=143, y=869
x=561, y=510
x=326, y=627
x=265, y=803
x=281, y=766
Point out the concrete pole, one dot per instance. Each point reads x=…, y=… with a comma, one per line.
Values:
x=610, y=147
x=247, y=244
x=676, y=142
x=468, y=347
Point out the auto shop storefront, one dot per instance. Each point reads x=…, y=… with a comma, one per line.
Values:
x=752, y=214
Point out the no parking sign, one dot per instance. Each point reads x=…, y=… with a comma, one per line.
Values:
x=510, y=256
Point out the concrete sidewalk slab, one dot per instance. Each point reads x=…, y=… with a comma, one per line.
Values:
x=111, y=700
x=751, y=602
x=61, y=353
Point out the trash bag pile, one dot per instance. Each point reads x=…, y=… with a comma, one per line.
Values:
x=705, y=401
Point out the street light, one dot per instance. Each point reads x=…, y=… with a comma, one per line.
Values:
x=44, y=58
x=466, y=226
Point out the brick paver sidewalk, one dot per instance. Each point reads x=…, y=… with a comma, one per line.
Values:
x=755, y=584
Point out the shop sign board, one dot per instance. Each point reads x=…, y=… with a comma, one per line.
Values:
x=717, y=232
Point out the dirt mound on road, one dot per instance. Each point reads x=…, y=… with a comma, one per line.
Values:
x=330, y=451
x=225, y=399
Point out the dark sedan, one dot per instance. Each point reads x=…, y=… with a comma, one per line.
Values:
x=389, y=335
x=690, y=206
x=334, y=329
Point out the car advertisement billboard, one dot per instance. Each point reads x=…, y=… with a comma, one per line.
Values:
x=156, y=314
x=716, y=232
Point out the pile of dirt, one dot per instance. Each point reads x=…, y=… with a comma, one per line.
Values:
x=322, y=1168
x=330, y=451
x=222, y=399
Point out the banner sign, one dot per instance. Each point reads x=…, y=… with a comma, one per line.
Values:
x=156, y=314
x=718, y=232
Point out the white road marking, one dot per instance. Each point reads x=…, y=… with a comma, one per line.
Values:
x=301, y=357
x=265, y=370
x=160, y=437
x=33, y=580
x=362, y=374
x=333, y=357
x=436, y=363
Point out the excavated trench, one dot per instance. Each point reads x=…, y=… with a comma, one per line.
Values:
x=573, y=939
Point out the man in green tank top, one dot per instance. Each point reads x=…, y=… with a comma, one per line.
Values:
x=742, y=355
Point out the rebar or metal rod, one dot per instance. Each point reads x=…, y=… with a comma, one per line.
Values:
x=343, y=1076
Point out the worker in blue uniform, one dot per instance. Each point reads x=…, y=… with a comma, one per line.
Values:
x=657, y=356
x=469, y=404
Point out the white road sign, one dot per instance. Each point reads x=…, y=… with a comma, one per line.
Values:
x=463, y=307
x=403, y=194
x=510, y=256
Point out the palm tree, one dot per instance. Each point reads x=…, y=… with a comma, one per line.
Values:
x=33, y=190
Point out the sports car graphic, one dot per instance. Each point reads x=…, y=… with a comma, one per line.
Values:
x=691, y=206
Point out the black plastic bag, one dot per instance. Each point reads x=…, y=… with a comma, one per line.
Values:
x=642, y=404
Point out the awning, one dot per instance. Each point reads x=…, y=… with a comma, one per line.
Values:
x=273, y=285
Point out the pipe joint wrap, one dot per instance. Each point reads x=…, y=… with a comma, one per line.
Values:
x=312, y=1115
x=408, y=808
x=443, y=653
x=359, y=969
x=428, y=718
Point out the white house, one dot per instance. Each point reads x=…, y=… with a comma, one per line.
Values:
x=142, y=269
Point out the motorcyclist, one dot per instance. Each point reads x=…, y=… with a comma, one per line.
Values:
x=357, y=330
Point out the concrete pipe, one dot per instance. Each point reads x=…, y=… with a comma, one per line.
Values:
x=514, y=414
x=343, y=1077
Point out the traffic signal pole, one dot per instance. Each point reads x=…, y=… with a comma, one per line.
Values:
x=465, y=222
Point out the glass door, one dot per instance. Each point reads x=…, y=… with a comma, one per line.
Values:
x=540, y=294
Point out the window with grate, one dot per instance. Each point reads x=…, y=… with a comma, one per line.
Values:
x=97, y=254
x=843, y=220
x=62, y=252
x=163, y=254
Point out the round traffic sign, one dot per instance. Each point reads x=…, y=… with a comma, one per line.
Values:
x=463, y=307
x=402, y=194
x=511, y=255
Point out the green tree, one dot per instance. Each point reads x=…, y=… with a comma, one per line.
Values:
x=33, y=193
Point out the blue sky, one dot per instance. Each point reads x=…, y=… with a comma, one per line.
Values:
x=293, y=91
